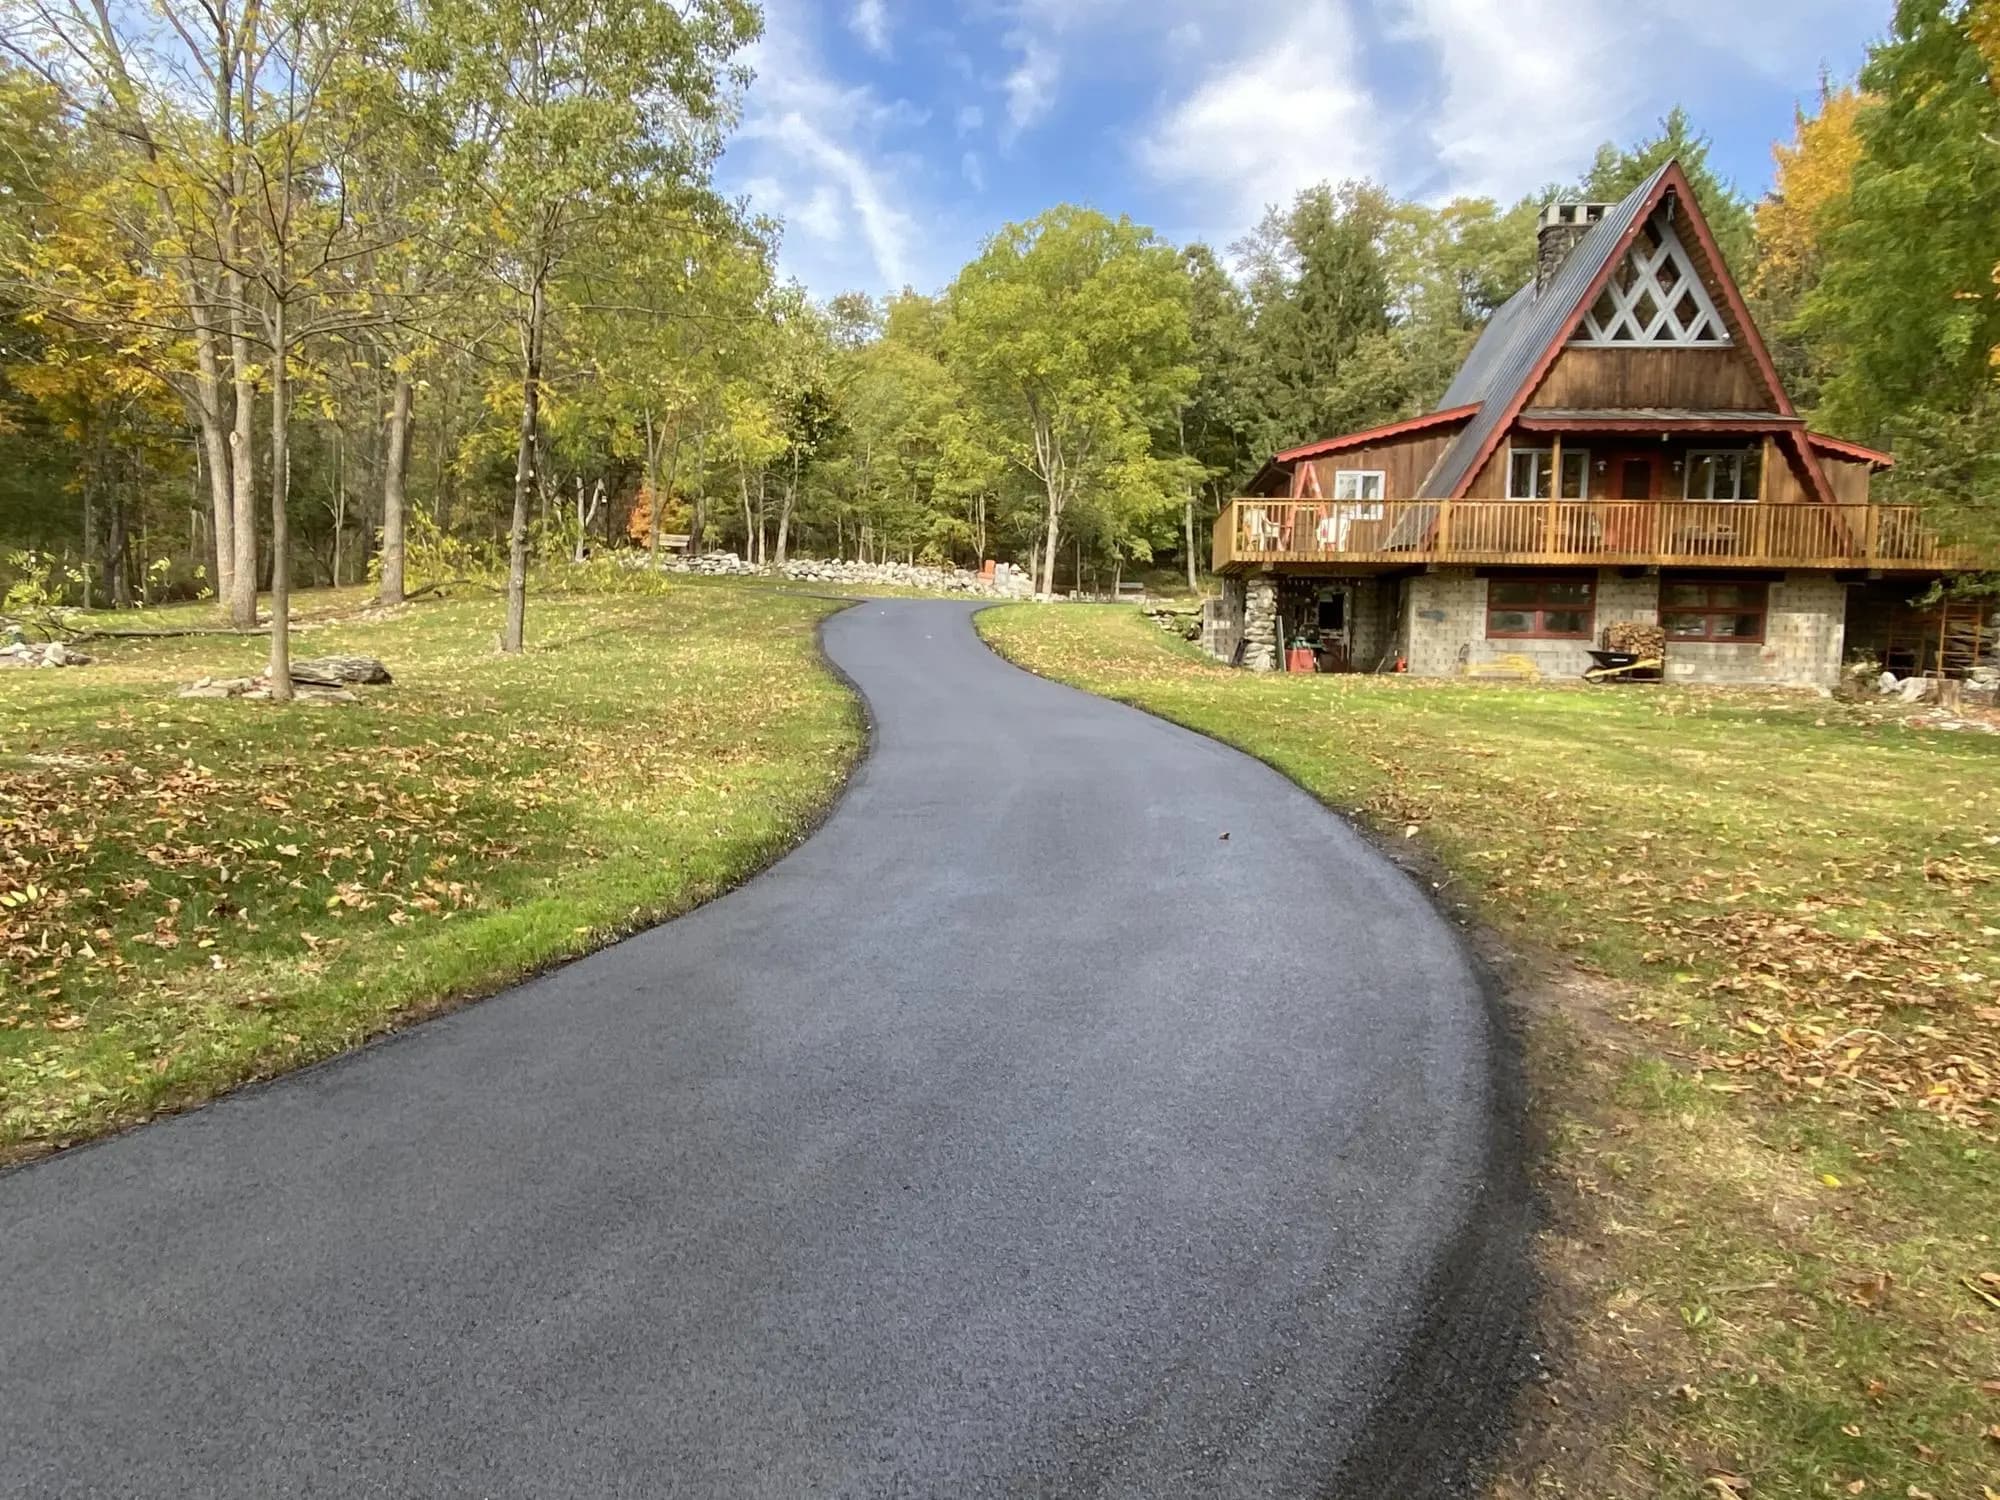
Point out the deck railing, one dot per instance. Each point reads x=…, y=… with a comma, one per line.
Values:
x=1698, y=533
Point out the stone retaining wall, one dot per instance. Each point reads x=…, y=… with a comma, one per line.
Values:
x=1008, y=581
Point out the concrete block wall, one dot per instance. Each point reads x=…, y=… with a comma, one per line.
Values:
x=1438, y=621
x=1222, y=620
x=1805, y=637
x=1444, y=623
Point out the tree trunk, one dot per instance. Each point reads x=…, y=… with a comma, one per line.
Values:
x=242, y=598
x=89, y=538
x=280, y=670
x=514, y=635
x=785, y=513
x=652, y=497
x=1187, y=524
x=1049, y=546
x=339, y=499
x=215, y=445
x=117, y=578
x=698, y=522
x=395, y=476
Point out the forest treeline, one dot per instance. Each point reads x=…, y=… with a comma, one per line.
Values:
x=292, y=291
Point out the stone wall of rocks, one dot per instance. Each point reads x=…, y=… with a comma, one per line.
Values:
x=1260, y=624
x=1007, y=582
x=41, y=654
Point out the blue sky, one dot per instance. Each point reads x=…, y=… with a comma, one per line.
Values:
x=892, y=136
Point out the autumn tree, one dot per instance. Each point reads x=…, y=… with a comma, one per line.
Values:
x=579, y=120
x=1071, y=333
x=1814, y=180
x=1905, y=313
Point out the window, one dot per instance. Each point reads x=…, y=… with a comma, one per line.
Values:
x=1363, y=485
x=1528, y=471
x=1725, y=474
x=1654, y=297
x=1553, y=608
x=1718, y=609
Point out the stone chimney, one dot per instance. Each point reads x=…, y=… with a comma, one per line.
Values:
x=1562, y=229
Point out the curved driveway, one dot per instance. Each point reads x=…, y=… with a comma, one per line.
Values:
x=1019, y=1134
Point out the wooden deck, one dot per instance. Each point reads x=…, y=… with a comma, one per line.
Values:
x=1250, y=534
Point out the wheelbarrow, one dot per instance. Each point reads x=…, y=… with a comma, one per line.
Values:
x=1623, y=666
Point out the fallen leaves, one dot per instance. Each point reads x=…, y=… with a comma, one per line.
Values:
x=170, y=880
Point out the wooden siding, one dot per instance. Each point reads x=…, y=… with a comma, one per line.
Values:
x=1848, y=478
x=1587, y=378
x=1403, y=461
x=1490, y=483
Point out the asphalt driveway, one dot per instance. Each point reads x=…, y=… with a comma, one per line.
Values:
x=1019, y=1134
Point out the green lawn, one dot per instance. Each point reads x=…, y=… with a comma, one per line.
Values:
x=1768, y=1060
x=194, y=893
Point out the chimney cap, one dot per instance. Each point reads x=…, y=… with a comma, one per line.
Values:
x=1579, y=215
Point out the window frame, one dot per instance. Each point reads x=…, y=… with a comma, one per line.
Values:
x=1582, y=457
x=1709, y=611
x=1542, y=608
x=1366, y=507
x=1740, y=457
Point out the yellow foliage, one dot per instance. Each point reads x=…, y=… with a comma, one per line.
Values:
x=1814, y=171
x=1984, y=22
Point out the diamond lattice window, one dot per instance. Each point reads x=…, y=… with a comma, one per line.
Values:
x=1654, y=297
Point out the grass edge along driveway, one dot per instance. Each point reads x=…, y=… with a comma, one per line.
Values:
x=1762, y=1046
x=196, y=893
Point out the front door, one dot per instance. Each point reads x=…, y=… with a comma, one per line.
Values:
x=1633, y=476
x=1638, y=476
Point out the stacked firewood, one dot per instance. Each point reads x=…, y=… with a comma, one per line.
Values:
x=1637, y=637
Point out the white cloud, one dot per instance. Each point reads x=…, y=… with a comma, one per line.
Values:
x=1531, y=89
x=869, y=20
x=972, y=171
x=885, y=226
x=1517, y=109
x=1031, y=86
x=822, y=154
x=970, y=118
x=1286, y=113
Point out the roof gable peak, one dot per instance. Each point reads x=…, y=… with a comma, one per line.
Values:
x=1537, y=332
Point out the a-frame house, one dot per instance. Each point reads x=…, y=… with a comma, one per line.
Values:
x=1618, y=447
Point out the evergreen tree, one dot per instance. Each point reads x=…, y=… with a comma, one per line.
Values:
x=1617, y=171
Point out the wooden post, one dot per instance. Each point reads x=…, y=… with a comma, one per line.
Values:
x=1763, y=528
x=1443, y=546
x=1555, y=493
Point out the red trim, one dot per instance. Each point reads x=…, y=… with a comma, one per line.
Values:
x=1376, y=434
x=1750, y=421
x=1673, y=180
x=1844, y=449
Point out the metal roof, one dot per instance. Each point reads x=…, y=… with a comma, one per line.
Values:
x=1474, y=380
x=1521, y=333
